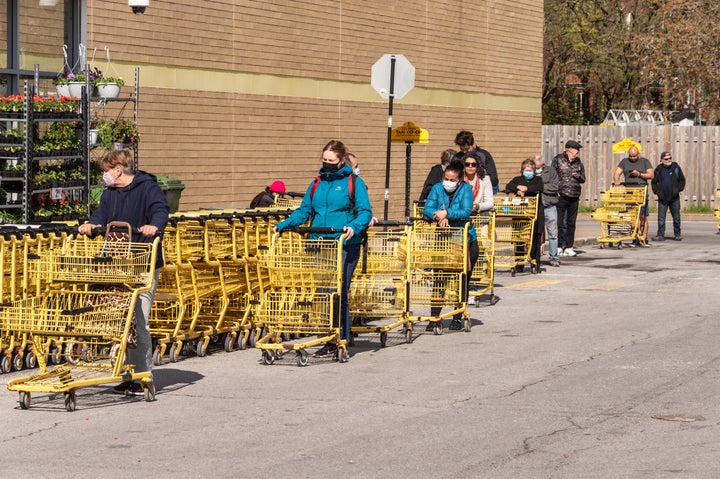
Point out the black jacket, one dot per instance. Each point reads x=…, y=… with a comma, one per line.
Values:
x=263, y=199
x=435, y=176
x=678, y=182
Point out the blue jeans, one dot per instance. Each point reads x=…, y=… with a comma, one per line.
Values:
x=551, y=224
x=350, y=257
x=674, y=207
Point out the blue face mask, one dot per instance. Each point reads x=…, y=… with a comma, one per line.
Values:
x=529, y=175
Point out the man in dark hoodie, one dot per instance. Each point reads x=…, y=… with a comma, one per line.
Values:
x=135, y=198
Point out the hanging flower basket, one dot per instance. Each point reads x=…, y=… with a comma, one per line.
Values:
x=108, y=90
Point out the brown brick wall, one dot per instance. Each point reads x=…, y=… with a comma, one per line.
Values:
x=227, y=146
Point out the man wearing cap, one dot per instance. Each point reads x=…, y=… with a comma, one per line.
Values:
x=571, y=176
x=667, y=183
x=636, y=171
x=267, y=197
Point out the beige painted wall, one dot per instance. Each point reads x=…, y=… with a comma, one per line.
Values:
x=235, y=94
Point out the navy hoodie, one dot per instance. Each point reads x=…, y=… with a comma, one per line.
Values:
x=140, y=203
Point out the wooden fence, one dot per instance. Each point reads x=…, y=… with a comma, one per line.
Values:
x=695, y=148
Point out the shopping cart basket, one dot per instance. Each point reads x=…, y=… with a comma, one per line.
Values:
x=620, y=214
x=92, y=321
x=304, y=296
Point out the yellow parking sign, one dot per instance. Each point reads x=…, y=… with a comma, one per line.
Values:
x=409, y=132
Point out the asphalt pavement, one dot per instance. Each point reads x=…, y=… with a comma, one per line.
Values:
x=606, y=367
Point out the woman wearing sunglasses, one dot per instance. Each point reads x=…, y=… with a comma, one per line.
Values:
x=479, y=181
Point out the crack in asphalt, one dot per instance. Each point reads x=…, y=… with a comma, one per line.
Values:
x=562, y=367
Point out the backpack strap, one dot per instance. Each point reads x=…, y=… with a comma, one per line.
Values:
x=314, y=187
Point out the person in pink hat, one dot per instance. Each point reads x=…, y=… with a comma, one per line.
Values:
x=267, y=197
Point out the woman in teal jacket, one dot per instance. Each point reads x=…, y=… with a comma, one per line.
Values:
x=337, y=199
x=450, y=204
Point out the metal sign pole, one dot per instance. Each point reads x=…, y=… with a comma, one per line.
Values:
x=408, y=160
x=389, y=136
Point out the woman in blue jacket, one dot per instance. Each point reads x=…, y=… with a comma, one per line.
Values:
x=450, y=203
x=336, y=199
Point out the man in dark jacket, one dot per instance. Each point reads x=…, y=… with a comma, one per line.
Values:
x=466, y=142
x=667, y=184
x=133, y=197
x=571, y=176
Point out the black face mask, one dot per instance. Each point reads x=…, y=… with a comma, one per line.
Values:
x=330, y=167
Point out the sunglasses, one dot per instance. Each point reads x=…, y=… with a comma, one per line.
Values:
x=667, y=158
x=471, y=165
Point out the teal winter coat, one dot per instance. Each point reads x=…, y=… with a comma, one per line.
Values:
x=458, y=206
x=330, y=206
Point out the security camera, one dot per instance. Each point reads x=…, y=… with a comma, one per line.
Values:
x=138, y=6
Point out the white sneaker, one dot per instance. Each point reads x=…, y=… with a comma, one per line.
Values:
x=561, y=252
x=569, y=252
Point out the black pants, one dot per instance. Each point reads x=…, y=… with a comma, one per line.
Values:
x=567, y=210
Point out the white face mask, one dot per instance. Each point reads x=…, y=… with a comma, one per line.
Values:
x=357, y=171
x=450, y=186
x=538, y=171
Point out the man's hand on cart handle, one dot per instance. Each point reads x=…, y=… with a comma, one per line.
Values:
x=148, y=230
x=349, y=232
x=89, y=229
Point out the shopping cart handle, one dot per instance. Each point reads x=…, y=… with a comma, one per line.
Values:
x=315, y=229
x=420, y=218
x=390, y=223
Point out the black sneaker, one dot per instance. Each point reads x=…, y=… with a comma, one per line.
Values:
x=328, y=350
x=678, y=238
x=455, y=325
x=127, y=388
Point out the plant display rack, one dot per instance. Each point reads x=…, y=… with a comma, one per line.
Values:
x=48, y=166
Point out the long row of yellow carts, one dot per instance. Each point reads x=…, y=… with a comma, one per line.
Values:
x=228, y=282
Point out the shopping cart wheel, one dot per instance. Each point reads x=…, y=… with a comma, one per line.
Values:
x=17, y=361
x=467, y=325
x=54, y=356
x=342, y=355
x=620, y=245
x=24, y=399
x=200, y=347
x=602, y=245
x=149, y=391
x=72, y=352
x=5, y=364
x=251, y=339
x=267, y=357
x=174, y=356
x=302, y=357
x=512, y=272
x=493, y=300
x=383, y=339
x=438, y=329
x=30, y=360
x=229, y=342
x=156, y=360
x=408, y=335
x=534, y=269
x=70, y=401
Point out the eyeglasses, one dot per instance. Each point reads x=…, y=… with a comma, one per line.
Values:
x=471, y=165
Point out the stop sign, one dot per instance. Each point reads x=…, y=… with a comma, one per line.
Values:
x=404, y=76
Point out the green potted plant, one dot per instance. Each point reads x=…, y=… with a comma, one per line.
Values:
x=108, y=87
x=117, y=131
